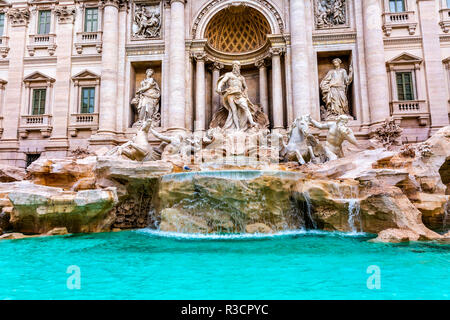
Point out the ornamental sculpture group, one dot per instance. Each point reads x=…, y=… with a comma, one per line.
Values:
x=240, y=128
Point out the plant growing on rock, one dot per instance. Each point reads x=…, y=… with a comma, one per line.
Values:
x=389, y=133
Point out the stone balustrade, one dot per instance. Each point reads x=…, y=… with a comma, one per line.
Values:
x=83, y=121
x=42, y=123
x=42, y=41
x=89, y=39
x=411, y=109
x=445, y=19
x=404, y=19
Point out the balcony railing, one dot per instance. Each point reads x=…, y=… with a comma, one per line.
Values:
x=445, y=20
x=42, y=41
x=4, y=46
x=40, y=123
x=83, y=121
x=89, y=39
x=35, y=120
x=404, y=19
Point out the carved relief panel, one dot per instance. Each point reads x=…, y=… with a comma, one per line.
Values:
x=146, y=20
x=330, y=13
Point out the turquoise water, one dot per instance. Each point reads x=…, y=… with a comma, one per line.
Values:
x=149, y=265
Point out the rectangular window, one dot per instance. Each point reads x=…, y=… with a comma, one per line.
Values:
x=2, y=23
x=397, y=5
x=39, y=96
x=448, y=4
x=91, y=20
x=87, y=100
x=44, y=22
x=405, y=89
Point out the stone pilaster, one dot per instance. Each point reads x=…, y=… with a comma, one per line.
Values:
x=277, y=90
x=18, y=19
x=110, y=55
x=177, y=60
x=59, y=143
x=435, y=76
x=377, y=81
x=263, y=85
x=301, y=74
x=200, y=91
x=216, y=67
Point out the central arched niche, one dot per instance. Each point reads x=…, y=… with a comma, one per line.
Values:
x=237, y=30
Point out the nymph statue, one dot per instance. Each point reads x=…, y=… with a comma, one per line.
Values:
x=238, y=112
x=138, y=148
x=338, y=132
x=147, y=99
x=334, y=89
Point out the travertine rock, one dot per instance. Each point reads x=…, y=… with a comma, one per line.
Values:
x=57, y=231
x=258, y=228
x=67, y=173
x=396, y=235
x=11, y=174
x=39, y=209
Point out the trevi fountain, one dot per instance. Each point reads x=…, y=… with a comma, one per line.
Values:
x=278, y=204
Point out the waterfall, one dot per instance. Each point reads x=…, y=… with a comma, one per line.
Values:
x=354, y=215
x=446, y=213
x=309, y=209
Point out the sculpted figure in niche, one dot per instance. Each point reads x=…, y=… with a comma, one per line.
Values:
x=238, y=112
x=334, y=90
x=147, y=99
x=338, y=132
x=138, y=148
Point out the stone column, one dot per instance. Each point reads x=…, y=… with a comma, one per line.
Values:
x=434, y=71
x=301, y=74
x=200, y=91
x=216, y=67
x=377, y=82
x=177, y=86
x=110, y=56
x=277, y=90
x=263, y=87
x=59, y=143
x=18, y=19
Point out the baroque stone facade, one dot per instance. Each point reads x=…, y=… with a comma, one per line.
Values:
x=72, y=72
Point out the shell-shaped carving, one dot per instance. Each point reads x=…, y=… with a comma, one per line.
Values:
x=237, y=30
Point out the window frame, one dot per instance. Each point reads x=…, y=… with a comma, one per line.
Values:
x=85, y=19
x=396, y=2
x=33, y=101
x=2, y=27
x=90, y=109
x=48, y=22
x=403, y=85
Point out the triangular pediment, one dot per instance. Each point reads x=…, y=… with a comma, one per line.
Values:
x=85, y=75
x=38, y=77
x=405, y=58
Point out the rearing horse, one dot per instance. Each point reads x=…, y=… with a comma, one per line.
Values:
x=301, y=142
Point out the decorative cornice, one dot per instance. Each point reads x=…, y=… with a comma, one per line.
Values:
x=19, y=17
x=65, y=14
x=334, y=37
x=403, y=41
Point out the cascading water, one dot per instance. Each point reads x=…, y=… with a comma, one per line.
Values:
x=354, y=215
x=446, y=214
x=309, y=209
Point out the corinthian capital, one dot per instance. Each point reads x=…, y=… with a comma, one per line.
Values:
x=65, y=14
x=277, y=51
x=19, y=17
x=114, y=3
x=199, y=56
x=172, y=1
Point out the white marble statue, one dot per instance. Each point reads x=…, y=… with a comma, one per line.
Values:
x=338, y=132
x=147, y=99
x=138, y=148
x=301, y=143
x=239, y=112
x=334, y=89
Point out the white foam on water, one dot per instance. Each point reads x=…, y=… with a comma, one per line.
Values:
x=245, y=236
